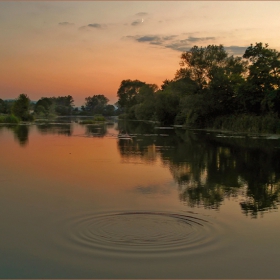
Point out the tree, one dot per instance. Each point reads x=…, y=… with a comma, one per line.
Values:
x=96, y=104
x=127, y=93
x=64, y=105
x=198, y=63
x=262, y=90
x=21, y=108
x=6, y=106
x=146, y=99
x=45, y=107
x=109, y=110
x=166, y=107
x=211, y=72
x=2, y=107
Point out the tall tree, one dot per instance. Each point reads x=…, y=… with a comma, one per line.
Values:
x=96, y=104
x=64, y=105
x=198, y=63
x=262, y=91
x=45, y=107
x=21, y=107
x=127, y=93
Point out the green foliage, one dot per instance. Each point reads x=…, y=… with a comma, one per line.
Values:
x=95, y=104
x=9, y=119
x=21, y=108
x=260, y=94
x=2, y=106
x=199, y=63
x=63, y=105
x=167, y=104
x=96, y=119
x=146, y=102
x=109, y=110
x=127, y=93
x=45, y=107
x=99, y=118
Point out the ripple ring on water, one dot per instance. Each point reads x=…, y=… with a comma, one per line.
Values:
x=140, y=233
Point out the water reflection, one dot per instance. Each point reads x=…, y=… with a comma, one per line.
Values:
x=208, y=167
x=56, y=128
x=98, y=130
x=20, y=132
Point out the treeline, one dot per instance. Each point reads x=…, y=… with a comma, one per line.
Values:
x=22, y=109
x=212, y=89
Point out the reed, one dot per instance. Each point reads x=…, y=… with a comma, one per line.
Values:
x=248, y=123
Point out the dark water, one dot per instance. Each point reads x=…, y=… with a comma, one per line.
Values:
x=78, y=202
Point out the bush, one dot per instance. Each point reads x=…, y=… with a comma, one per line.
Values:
x=9, y=119
x=99, y=118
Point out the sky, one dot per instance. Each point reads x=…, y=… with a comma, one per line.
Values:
x=84, y=48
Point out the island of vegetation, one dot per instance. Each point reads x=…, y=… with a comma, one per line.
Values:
x=211, y=90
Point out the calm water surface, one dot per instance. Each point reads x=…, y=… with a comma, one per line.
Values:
x=78, y=202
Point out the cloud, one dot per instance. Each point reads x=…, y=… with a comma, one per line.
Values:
x=141, y=14
x=65, y=23
x=152, y=39
x=148, y=39
x=136, y=22
x=171, y=42
x=183, y=45
x=178, y=47
x=198, y=39
x=95, y=25
x=236, y=50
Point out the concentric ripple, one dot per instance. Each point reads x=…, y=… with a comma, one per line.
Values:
x=139, y=233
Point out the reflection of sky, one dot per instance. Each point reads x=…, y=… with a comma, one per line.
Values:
x=86, y=48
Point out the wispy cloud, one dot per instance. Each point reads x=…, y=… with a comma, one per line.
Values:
x=93, y=26
x=136, y=22
x=198, y=39
x=96, y=25
x=65, y=23
x=152, y=39
x=186, y=44
x=172, y=41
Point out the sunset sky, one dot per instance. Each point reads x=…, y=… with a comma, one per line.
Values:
x=84, y=48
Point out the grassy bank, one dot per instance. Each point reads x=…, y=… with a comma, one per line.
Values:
x=247, y=123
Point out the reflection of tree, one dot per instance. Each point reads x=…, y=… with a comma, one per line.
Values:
x=209, y=169
x=219, y=168
x=55, y=128
x=21, y=133
x=99, y=130
x=264, y=197
x=205, y=173
x=145, y=141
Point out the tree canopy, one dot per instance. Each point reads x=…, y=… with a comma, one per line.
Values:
x=209, y=84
